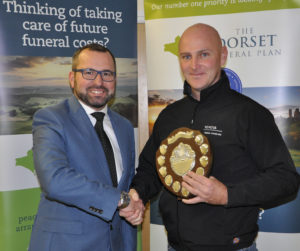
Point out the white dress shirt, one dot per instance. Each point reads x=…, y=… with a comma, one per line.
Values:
x=110, y=134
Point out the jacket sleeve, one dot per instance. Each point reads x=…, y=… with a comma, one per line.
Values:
x=59, y=180
x=276, y=177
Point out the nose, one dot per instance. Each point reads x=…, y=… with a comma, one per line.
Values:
x=98, y=79
x=194, y=62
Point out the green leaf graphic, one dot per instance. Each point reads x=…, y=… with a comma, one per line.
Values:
x=173, y=47
x=26, y=161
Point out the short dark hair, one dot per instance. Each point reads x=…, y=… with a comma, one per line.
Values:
x=92, y=47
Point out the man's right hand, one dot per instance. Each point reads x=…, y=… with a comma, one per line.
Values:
x=134, y=212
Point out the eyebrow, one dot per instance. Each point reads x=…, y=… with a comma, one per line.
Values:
x=200, y=51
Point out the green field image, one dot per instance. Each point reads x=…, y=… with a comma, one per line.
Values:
x=296, y=157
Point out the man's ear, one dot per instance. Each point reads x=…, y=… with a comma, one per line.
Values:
x=224, y=53
x=72, y=79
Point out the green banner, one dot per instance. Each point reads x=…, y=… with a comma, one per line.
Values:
x=156, y=9
x=17, y=211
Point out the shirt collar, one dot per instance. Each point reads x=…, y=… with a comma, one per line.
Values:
x=90, y=110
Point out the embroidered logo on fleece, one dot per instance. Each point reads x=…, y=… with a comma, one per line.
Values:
x=212, y=130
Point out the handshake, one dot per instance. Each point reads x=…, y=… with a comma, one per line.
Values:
x=134, y=212
x=205, y=190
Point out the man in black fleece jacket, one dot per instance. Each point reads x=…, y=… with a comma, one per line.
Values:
x=251, y=165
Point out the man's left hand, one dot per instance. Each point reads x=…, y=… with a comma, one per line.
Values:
x=208, y=190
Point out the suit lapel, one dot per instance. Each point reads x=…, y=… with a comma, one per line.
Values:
x=80, y=119
x=87, y=131
x=123, y=144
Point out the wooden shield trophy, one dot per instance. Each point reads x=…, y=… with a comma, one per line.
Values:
x=182, y=151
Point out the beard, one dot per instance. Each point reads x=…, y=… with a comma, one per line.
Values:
x=95, y=102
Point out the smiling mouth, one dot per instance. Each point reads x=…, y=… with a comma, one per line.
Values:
x=98, y=91
x=197, y=75
x=197, y=72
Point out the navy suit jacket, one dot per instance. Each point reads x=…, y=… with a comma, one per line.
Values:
x=78, y=206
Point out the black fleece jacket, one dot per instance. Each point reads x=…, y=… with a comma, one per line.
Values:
x=249, y=157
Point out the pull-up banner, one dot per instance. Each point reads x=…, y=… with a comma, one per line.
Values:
x=38, y=28
x=262, y=40
x=37, y=41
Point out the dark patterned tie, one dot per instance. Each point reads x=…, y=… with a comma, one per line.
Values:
x=106, y=146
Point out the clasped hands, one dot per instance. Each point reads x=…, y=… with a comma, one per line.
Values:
x=134, y=212
x=207, y=190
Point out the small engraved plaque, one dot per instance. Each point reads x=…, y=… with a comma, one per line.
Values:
x=182, y=151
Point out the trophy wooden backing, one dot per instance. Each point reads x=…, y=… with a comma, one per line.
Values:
x=182, y=151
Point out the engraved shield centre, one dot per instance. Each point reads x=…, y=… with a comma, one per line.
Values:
x=182, y=159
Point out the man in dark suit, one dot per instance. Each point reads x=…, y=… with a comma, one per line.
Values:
x=81, y=195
